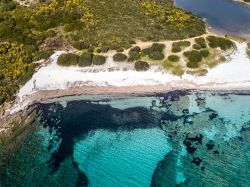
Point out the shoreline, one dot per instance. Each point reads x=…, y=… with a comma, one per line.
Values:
x=242, y=2
x=47, y=95
x=52, y=81
x=149, y=90
x=19, y=112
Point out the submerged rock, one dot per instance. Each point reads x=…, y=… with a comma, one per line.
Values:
x=210, y=145
x=196, y=161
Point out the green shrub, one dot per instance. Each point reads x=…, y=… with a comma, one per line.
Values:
x=1, y=17
x=104, y=49
x=39, y=55
x=134, y=54
x=192, y=65
x=77, y=25
x=91, y=49
x=201, y=41
x=156, y=55
x=204, y=52
x=176, y=49
x=85, y=59
x=223, y=43
x=197, y=46
x=155, y=51
x=98, y=50
x=157, y=47
x=119, y=49
x=248, y=53
x=8, y=6
x=119, y=57
x=98, y=60
x=68, y=59
x=141, y=66
x=136, y=49
x=177, y=46
x=132, y=42
x=194, y=57
x=50, y=33
x=248, y=45
x=173, y=58
x=80, y=45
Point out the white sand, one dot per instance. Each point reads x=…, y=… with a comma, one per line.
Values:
x=231, y=75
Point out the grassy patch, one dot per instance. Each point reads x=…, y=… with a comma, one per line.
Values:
x=173, y=58
x=197, y=72
x=173, y=67
x=213, y=59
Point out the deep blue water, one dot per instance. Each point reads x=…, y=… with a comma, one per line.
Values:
x=223, y=16
x=178, y=138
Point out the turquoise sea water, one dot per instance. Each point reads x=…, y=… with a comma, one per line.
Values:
x=183, y=138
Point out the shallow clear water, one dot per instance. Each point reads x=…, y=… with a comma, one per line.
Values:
x=178, y=138
x=224, y=16
x=123, y=158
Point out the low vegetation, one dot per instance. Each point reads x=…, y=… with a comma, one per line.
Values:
x=220, y=42
x=204, y=52
x=98, y=60
x=134, y=54
x=248, y=45
x=196, y=46
x=179, y=46
x=32, y=33
x=85, y=59
x=120, y=57
x=194, y=57
x=41, y=55
x=155, y=52
x=173, y=58
x=201, y=42
x=15, y=68
x=141, y=66
x=248, y=49
x=174, y=68
x=68, y=59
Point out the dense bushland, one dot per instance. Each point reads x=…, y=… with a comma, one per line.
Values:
x=95, y=25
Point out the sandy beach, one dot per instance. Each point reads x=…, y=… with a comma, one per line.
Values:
x=51, y=80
